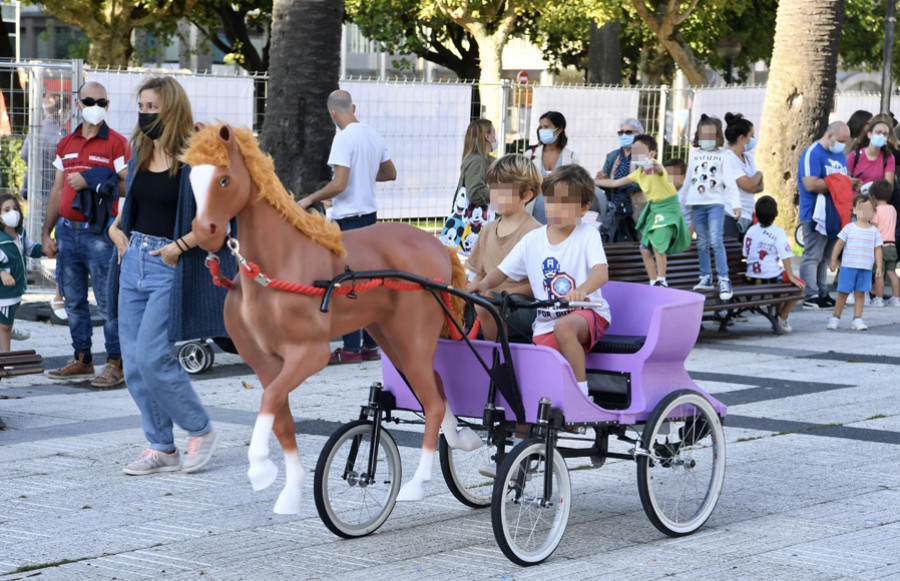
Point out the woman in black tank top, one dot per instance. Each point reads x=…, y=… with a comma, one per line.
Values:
x=152, y=234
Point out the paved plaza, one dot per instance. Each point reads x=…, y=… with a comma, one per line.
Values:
x=811, y=489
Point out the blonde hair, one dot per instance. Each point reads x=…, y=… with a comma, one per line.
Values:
x=174, y=116
x=518, y=170
x=475, y=140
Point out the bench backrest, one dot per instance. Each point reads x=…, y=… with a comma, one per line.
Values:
x=683, y=269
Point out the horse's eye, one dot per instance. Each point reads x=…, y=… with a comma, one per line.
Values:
x=224, y=182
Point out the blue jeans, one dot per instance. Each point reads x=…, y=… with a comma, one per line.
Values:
x=353, y=340
x=158, y=384
x=83, y=253
x=708, y=222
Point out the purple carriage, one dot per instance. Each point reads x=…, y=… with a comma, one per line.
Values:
x=643, y=400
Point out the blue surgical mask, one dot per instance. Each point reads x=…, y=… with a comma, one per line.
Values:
x=707, y=144
x=626, y=140
x=752, y=144
x=878, y=141
x=838, y=147
x=546, y=136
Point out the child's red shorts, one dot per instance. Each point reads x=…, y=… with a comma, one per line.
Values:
x=597, y=326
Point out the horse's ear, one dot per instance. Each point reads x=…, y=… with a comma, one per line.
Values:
x=226, y=133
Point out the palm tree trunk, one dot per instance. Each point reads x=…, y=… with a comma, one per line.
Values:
x=304, y=63
x=799, y=94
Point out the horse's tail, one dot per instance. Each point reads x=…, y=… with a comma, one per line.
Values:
x=457, y=280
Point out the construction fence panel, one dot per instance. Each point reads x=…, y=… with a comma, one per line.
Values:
x=424, y=125
x=213, y=98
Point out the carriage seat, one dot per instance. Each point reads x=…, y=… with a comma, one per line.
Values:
x=624, y=344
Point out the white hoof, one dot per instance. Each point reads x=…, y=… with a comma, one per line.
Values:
x=262, y=474
x=412, y=491
x=466, y=440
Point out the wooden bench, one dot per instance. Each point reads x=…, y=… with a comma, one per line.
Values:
x=683, y=271
x=19, y=363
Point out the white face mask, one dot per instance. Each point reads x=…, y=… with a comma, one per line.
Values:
x=11, y=218
x=94, y=115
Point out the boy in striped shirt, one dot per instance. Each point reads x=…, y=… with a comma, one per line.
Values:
x=861, y=243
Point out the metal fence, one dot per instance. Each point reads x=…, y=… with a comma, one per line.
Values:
x=423, y=123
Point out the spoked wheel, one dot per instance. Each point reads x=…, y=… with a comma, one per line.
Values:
x=527, y=528
x=465, y=472
x=798, y=236
x=681, y=478
x=351, y=502
x=196, y=357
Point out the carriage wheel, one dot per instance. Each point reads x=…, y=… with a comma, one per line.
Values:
x=680, y=480
x=351, y=502
x=196, y=357
x=527, y=529
x=461, y=471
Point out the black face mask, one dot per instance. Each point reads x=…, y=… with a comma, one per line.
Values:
x=150, y=125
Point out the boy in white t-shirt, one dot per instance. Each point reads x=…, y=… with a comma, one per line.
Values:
x=764, y=244
x=562, y=260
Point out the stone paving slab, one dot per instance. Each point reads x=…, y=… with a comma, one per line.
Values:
x=810, y=490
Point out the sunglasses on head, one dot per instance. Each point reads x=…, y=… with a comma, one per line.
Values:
x=90, y=102
x=625, y=132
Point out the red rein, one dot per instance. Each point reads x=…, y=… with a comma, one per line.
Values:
x=251, y=271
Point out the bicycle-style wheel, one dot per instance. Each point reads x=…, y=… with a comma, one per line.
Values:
x=468, y=474
x=350, y=501
x=681, y=478
x=527, y=528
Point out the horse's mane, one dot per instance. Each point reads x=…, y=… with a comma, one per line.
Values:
x=207, y=147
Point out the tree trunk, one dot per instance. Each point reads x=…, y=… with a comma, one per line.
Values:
x=605, y=54
x=111, y=45
x=490, y=52
x=304, y=64
x=799, y=94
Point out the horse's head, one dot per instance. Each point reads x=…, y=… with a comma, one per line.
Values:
x=220, y=180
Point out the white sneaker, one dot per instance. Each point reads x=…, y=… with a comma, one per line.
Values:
x=868, y=302
x=851, y=299
x=725, y=290
x=859, y=325
x=876, y=302
x=705, y=283
x=893, y=302
x=833, y=323
x=18, y=334
x=785, y=326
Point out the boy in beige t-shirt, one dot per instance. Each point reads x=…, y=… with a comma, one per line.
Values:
x=513, y=180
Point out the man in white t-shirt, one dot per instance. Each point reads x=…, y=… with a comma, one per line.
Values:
x=359, y=158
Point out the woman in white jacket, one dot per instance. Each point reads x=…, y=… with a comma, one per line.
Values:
x=550, y=153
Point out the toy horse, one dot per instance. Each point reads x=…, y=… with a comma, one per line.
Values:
x=283, y=335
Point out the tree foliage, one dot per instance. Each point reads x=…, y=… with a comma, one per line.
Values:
x=862, y=41
x=228, y=25
x=109, y=23
x=414, y=27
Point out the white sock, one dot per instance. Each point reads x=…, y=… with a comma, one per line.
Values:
x=653, y=281
x=426, y=466
x=259, y=441
x=583, y=386
x=661, y=279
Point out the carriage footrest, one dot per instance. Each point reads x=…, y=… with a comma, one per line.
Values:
x=610, y=389
x=626, y=344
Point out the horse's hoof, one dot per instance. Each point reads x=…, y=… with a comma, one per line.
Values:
x=262, y=474
x=288, y=501
x=466, y=440
x=412, y=491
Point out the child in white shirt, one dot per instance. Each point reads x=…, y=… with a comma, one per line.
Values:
x=861, y=243
x=562, y=260
x=764, y=244
x=704, y=192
